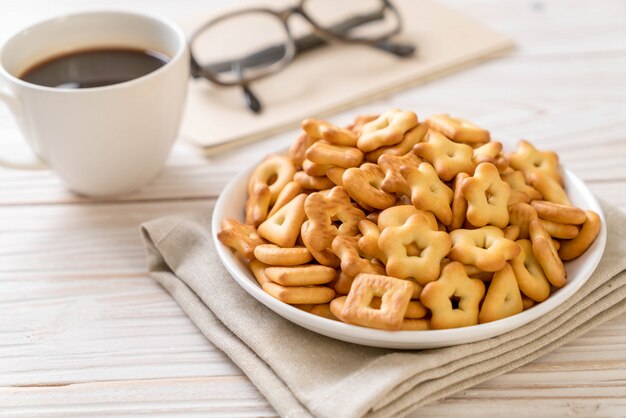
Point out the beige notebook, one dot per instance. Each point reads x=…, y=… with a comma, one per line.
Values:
x=336, y=77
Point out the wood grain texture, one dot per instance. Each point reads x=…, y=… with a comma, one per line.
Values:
x=85, y=332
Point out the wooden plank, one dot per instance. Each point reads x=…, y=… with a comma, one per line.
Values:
x=532, y=406
x=539, y=387
x=77, y=305
x=80, y=239
x=84, y=330
x=554, y=28
x=188, y=397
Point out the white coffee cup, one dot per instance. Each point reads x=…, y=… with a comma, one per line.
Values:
x=102, y=141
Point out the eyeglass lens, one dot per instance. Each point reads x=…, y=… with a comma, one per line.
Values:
x=331, y=14
x=229, y=48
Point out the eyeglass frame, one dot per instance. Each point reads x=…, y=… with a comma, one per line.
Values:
x=290, y=44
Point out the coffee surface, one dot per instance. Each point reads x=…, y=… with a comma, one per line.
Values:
x=94, y=68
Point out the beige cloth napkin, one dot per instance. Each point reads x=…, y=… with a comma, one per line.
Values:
x=305, y=374
x=326, y=80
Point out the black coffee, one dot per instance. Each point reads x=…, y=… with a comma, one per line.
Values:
x=94, y=68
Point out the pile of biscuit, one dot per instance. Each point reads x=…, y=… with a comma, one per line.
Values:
x=399, y=224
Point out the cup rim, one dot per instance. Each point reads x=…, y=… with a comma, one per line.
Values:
x=170, y=24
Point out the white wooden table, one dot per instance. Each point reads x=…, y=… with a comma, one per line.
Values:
x=85, y=332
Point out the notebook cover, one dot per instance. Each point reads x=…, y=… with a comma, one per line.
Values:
x=336, y=77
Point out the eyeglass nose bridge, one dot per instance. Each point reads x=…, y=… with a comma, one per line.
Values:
x=285, y=14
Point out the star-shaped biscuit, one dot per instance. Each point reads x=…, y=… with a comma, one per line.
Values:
x=449, y=158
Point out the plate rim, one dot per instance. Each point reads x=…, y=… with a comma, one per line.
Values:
x=399, y=339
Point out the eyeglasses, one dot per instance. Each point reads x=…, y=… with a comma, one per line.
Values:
x=240, y=47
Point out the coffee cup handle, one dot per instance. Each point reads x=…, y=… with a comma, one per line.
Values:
x=15, y=108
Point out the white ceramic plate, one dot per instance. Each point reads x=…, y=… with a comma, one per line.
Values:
x=231, y=203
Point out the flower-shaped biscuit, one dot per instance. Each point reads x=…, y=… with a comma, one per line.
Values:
x=449, y=158
x=428, y=192
x=529, y=160
x=430, y=247
x=485, y=248
x=487, y=197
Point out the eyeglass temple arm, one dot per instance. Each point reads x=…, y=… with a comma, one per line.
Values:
x=252, y=101
x=303, y=44
x=314, y=41
x=399, y=49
